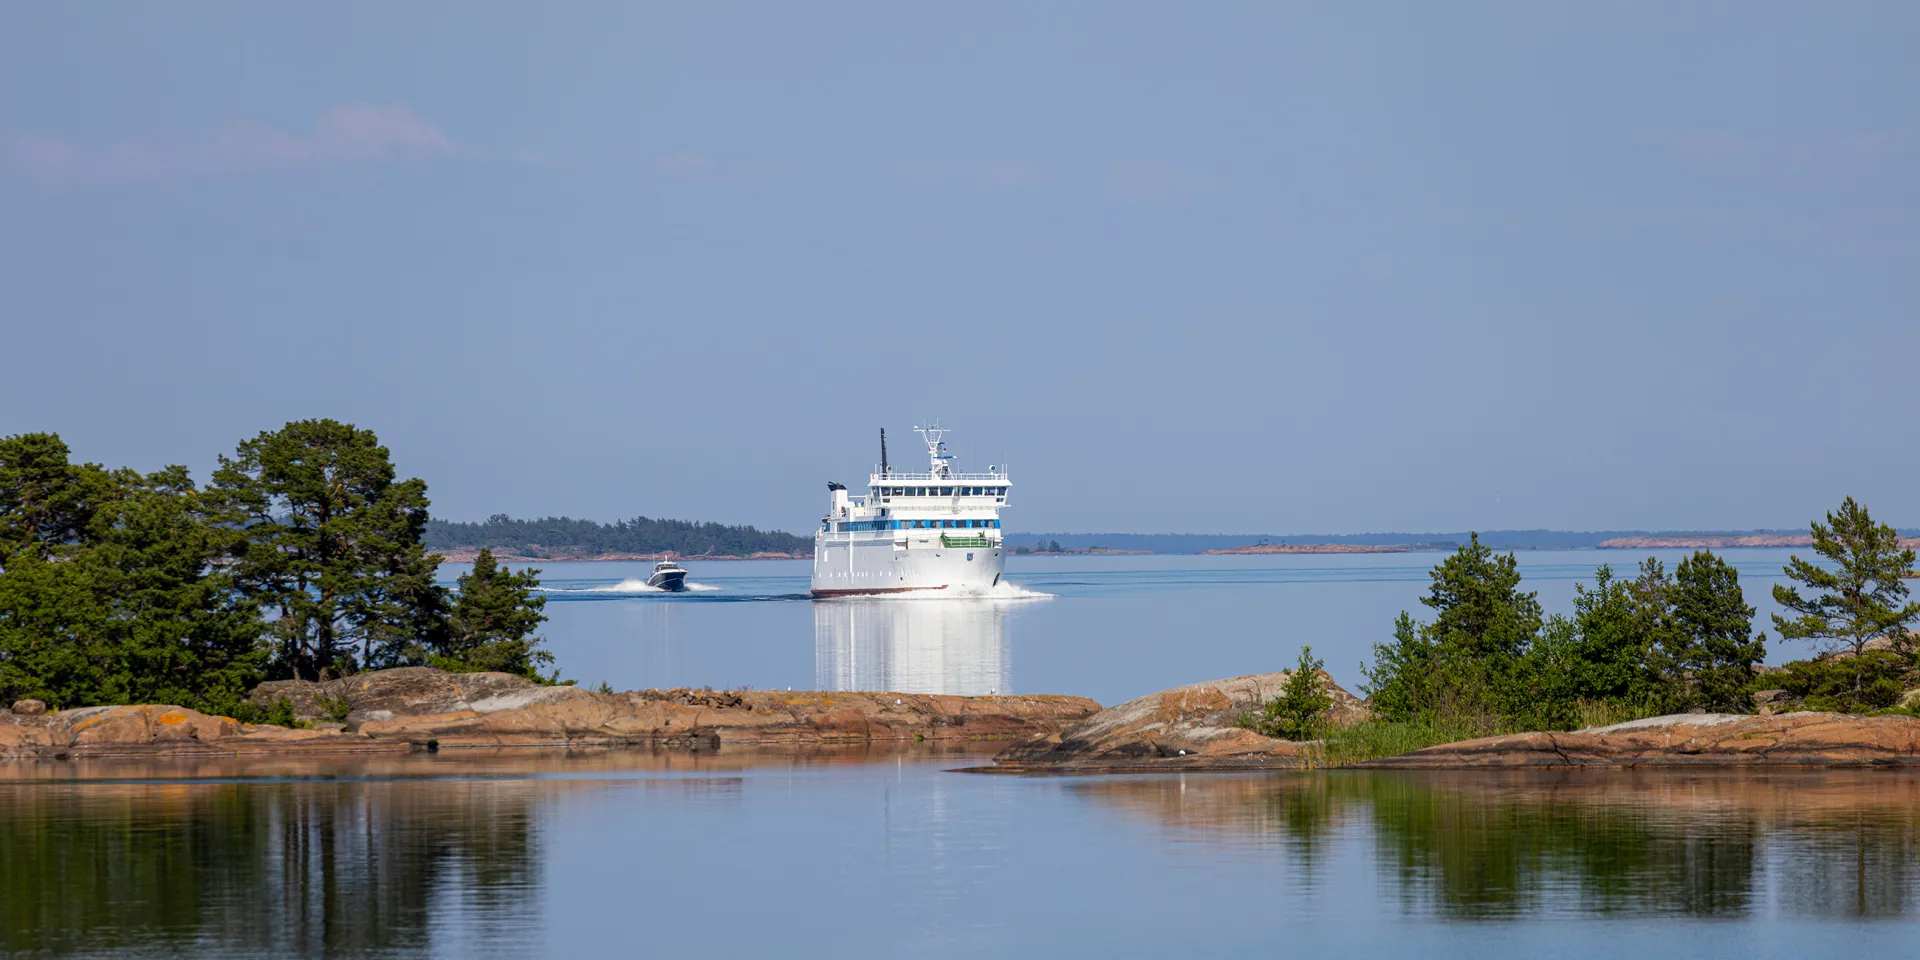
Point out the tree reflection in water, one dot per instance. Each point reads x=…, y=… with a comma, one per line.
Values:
x=340, y=868
x=1486, y=844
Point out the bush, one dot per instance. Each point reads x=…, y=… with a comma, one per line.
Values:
x=1828, y=683
x=1300, y=711
x=278, y=715
x=336, y=708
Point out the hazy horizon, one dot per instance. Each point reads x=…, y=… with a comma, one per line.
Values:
x=1402, y=267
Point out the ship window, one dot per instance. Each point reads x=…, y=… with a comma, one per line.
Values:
x=946, y=491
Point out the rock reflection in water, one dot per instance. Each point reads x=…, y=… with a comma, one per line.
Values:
x=1481, y=844
x=268, y=869
x=912, y=646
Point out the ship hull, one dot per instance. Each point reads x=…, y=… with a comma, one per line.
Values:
x=851, y=565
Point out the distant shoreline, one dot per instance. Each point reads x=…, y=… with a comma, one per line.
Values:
x=1264, y=549
x=468, y=554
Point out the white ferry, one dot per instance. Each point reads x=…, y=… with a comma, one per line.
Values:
x=938, y=530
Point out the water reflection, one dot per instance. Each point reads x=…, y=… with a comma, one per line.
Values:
x=1829, y=845
x=332, y=868
x=912, y=646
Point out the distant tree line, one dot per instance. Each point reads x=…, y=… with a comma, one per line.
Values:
x=303, y=558
x=567, y=537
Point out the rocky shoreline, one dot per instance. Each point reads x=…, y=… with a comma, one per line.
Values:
x=416, y=708
x=1191, y=728
x=1689, y=740
x=1194, y=729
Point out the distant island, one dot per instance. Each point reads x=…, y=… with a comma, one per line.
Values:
x=646, y=538
x=1266, y=548
x=1721, y=541
x=642, y=538
x=1250, y=543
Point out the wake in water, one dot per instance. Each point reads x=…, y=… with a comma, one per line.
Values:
x=633, y=585
x=1000, y=591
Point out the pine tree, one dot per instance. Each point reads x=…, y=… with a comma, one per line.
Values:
x=1862, y=598
x=109, y=592
x=1300, y=711
x=1711, y=642
x=1465, y=664
x=333, y=547
x=1399, y=682
x=1480, y=611
x=46, y=500
x=493, y=621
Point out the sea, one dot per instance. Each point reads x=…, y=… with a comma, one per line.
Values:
x=892, y=850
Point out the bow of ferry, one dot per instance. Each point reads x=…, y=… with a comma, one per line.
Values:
x=912, y=532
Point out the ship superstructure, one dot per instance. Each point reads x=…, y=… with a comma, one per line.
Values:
x=938, y=530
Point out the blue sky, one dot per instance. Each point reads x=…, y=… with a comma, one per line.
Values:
x=1198, y=267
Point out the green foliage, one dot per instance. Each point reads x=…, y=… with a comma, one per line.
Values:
x=1861, y=683
x=109, y=592
x=493, y=622
x=1861, y=598
x=1399, y=682
x=333, y=546
x=1708, y=652
x=1300, y=711
x=1479, y=609
x=336, y=709
x=1614, y=626
x=604, y=687
x=1631, y=648
x=304, y=558
x=46, y=501
x=1377, y=738
x=280, y=714
x=567, y=537
x=1468, y=665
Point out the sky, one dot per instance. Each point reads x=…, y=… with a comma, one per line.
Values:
x=1280, y=267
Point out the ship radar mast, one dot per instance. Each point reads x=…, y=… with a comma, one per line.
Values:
x=937, y=448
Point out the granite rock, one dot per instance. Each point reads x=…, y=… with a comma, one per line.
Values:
x=1190, y=727
x=1691, y=740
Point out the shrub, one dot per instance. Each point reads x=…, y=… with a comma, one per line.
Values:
x=1299, y=712
x=1865, y=683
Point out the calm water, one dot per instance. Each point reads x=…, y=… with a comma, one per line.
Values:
x=886, y=851
x=890, y=855
x=1110, y=628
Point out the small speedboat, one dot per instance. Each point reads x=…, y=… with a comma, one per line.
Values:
x=668, y=575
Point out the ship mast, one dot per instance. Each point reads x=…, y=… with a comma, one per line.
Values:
x=937, y=449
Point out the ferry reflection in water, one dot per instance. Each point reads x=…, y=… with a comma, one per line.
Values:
x=912, y=646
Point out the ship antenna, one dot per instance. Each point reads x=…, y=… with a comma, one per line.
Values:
x=885, y=471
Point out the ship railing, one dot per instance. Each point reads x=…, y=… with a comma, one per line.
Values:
x=949, y=540
x=898, y=477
